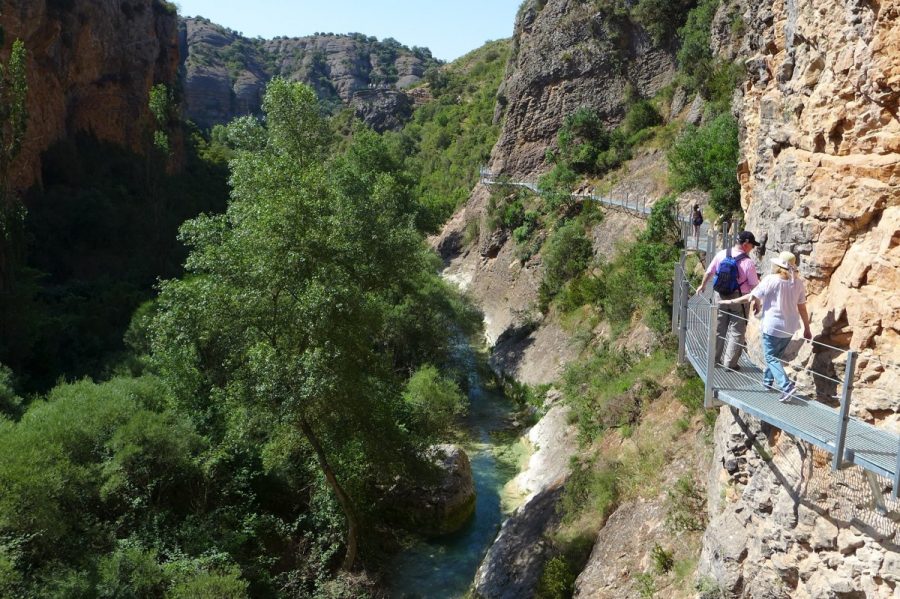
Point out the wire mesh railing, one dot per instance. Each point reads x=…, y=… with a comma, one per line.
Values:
x=814, y=372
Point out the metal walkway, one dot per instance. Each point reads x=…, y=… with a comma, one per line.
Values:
x=636, y=206
x=849, y=440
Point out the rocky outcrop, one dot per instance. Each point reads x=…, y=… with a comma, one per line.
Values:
x=225, y=73
x=513, y=564
x=820, y=176
x=90, y=69
x=554, y=440
x=820, y=172
x=382, y=109
x=785, y=527
x=447, y=504
x=567, y=55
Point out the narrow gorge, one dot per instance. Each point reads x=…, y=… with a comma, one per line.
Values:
x=324, y=316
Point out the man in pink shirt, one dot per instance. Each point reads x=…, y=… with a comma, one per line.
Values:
x=732, y=325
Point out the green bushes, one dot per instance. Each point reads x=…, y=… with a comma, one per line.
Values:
x=566, y=254
x=557, y=580
x=706, y=158
x=686, y=506
x=661, y=18
x=695, y=59
x=433, y=402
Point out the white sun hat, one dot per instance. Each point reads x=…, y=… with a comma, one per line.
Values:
x=785, y=260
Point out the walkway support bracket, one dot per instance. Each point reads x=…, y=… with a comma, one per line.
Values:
x=709, y=396
x=844, y=416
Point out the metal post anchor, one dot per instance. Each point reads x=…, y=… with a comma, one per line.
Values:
x=710, y=395
x=844, y=416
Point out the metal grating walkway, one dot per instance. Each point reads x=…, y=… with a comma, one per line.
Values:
x=871, y=448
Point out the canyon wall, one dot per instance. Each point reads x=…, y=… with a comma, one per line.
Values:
x=565, y=57
x=225, y=73
x=820, y=176
x=90, y=68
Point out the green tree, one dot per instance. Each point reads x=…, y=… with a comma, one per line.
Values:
x=434, y=402
x=286, y=306
x=13, y=124
x=707, y=158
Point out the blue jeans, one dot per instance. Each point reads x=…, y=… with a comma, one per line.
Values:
x=773, y=347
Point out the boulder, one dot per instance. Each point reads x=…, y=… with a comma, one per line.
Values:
x=441, y=506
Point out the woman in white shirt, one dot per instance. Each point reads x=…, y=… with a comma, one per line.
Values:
x=782, y=298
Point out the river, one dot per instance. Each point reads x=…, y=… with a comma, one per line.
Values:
x=444, y=568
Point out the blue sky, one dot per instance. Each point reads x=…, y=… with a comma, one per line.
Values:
x=450, y=28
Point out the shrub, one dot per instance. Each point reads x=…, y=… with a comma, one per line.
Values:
x=695, y=57
x=661, y=18
x=591, y=487
x=557, y=580
x=433, y=402
x=686, y=506
x=640, y=116
x=663, y=561
x=707, y=158
x=567, y=254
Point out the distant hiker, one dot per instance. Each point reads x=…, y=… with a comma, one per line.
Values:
x=734, y=275
x=696, y=221
x=782, y=296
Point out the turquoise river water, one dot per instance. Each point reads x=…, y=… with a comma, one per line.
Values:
x=444, y=568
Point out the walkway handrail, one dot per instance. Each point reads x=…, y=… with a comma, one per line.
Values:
x=851, y=440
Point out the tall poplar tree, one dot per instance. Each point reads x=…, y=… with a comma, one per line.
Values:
x=287, y=303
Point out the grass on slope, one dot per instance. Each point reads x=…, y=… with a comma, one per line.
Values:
x=451, y=135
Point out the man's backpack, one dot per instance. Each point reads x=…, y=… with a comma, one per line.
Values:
x=726, y=281
x=698, y=218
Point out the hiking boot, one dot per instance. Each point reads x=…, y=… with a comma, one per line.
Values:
x=788, y=393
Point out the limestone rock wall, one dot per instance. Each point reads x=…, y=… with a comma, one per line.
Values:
x=820, y=176
x=563, y=58
x=820, y=173
x=225, y=74
x=784, y=526
x=91, y=65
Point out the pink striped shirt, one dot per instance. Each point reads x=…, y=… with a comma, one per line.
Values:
x=747, y=277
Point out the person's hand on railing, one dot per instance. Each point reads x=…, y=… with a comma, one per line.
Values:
x=807, y=333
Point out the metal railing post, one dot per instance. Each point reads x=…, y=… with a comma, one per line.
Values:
x=709, y=395
x=676, y=297
x=844, y=417
x=896, y=492
x=683, y=312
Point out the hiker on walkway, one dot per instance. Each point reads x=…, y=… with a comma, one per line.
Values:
x=696, y=222
x=782, y=296
x=735, y=275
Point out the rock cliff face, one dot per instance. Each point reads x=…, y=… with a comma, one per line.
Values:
x=225, y=73
x=564, y=58
x=820, y=176
x=821, y=170
x=90, y=68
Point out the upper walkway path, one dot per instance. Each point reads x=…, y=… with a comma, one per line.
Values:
x=636, y=206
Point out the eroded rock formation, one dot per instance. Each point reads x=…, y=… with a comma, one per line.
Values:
x=90, y=69
x=820, y=171
x=820, y=176
x=226, y=73
x=563, y=58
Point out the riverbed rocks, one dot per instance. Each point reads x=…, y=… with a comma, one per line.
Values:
x=513, y=564
x=444, y=505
